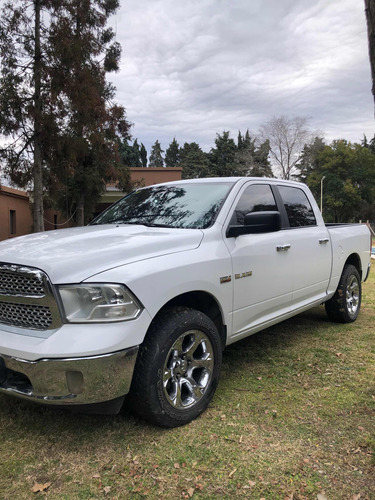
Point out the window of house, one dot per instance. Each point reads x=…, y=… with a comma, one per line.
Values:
x=297, y=206
x=255, y=198
x=12, y=221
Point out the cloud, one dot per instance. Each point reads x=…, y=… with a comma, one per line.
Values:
x=195, y=68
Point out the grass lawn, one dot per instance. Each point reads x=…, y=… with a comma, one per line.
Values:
x=293, y=418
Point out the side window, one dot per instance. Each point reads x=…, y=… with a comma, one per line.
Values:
x=297, y=206
x=255, y=198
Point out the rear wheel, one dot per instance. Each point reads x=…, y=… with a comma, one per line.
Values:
x=177, y=369
x=344, y=306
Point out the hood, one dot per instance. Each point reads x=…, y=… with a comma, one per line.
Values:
x=73, y=255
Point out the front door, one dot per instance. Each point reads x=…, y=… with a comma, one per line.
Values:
x=261, y=263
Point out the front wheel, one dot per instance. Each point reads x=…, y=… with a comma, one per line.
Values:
x=344, y=306
x=177, y=369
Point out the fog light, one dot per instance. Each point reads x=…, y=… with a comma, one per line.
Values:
x=75, y=382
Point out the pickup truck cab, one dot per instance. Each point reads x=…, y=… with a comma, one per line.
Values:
x=143, y=300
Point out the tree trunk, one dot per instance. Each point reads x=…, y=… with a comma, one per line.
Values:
x=80, y=217
x=370, y=17
x=38, y=214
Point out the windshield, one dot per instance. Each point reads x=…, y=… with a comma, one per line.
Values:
x=181, y=206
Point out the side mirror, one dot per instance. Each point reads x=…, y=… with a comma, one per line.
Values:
x=257, y=222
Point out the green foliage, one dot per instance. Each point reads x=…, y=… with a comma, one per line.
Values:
x=143, y=155
x=194, y=162
x=253, y=160
x=156, y=159
x=172, y=154
x=349, y=183
x=130, y=154
x=223, y=157
x=82, y=52
x=57, y=101
x=307, y=160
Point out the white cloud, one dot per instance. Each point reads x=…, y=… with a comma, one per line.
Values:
x=192, y=69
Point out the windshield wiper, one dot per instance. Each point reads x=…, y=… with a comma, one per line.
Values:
x=142, y=223
x=153, y=224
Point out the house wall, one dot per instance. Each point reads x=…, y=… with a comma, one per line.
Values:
x=151, y=176
x=53, y=219
x=15, y=210
x=15, y=213
x=142, y=177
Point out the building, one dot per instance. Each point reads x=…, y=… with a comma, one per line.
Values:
x=15, y=214
x=141, y=177
x=15, y=210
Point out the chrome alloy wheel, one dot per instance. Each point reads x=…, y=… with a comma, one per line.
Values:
x=188, y=369
x=352, y=295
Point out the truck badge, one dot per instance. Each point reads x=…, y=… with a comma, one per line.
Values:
x=225, y=279
x=243, y=275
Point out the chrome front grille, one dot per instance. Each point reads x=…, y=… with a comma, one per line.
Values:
x=27, y=299
x=25, y=315
x=12, y=283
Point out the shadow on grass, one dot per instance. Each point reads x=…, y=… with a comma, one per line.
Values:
x=279, y=338
x=79, y=429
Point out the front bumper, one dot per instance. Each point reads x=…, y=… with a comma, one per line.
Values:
x=70, y=381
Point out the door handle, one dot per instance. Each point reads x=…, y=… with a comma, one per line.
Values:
x=323, y=240
x=282, y=248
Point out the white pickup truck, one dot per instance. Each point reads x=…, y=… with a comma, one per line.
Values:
x=143, y=300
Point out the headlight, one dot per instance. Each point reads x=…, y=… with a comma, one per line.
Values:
x=98, y=302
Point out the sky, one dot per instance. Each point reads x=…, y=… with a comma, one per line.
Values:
x=191, y=69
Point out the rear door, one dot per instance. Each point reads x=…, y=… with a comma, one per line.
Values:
x=310, y=247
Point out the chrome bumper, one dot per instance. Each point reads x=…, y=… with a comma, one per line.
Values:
x=73, y=381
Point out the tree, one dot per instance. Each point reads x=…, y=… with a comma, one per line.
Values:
x=369, y=145
x=349, y=184
x=24, y=101
x=156, y=159
x=137, y=155
x=57, y=108
x=370, y=18
x=194, y=161
x=262, y=166
x=287, y=137
x=223, y=157
x=82, y=51
x=143, y=153
x=307, y=160
x=126, y=150
x=252, y=160
x=172, y=154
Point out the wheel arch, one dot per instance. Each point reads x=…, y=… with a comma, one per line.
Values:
x=201, y=301
x=355, y=260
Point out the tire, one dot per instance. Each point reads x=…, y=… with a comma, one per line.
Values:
x=344, y=306
x=177, y=368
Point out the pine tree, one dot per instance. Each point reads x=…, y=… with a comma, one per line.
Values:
x=194, y=162
x=137, y=162
x=56, y=104
x=223, y=157
x=156, y=159
x=262, y=165
x=83, y=50
x=143, y=153
x=172, y=154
